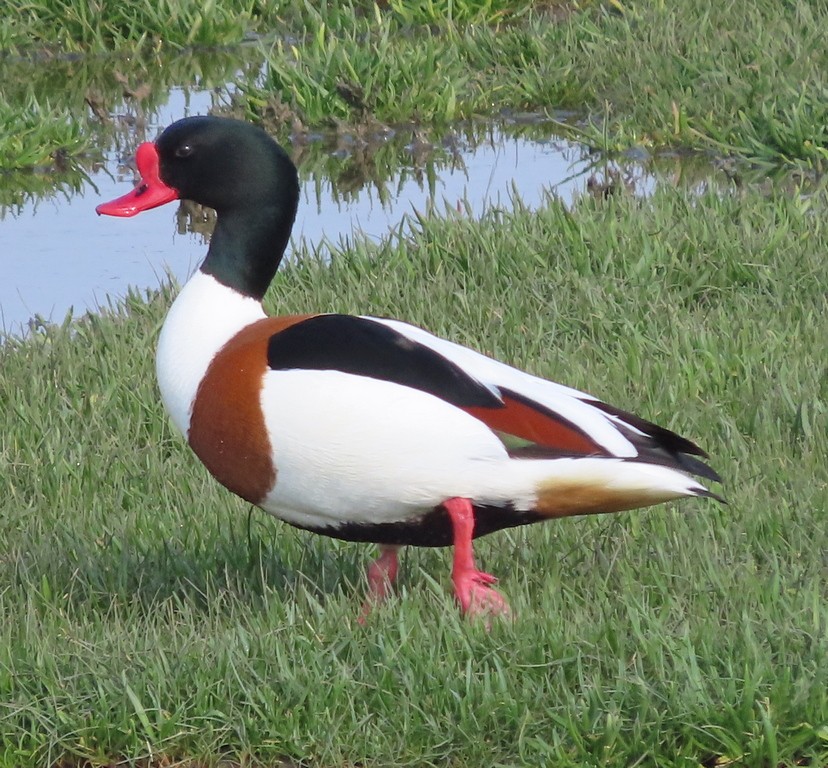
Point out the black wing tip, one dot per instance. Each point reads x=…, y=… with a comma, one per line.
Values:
x=669, y=447
x=708, y=494
x=666, y=438
x=697, y=467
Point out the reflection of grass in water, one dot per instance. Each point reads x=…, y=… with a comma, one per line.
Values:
x=349, y=163
x=347, y=166
x=147, y=612
x=20, y=187
x=34, y=130
x=104, y=102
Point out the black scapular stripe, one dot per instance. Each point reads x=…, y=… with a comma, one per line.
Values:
x=365, y=347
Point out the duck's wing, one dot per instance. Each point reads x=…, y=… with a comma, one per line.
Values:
x=365, y=347
x=547, y=419
x=535, y=417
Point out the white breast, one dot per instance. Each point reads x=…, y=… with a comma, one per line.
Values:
x=202, y=319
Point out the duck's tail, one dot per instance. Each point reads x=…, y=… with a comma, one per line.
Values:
x=591, y=485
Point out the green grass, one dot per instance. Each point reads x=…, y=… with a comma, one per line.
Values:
x=693, y=74
x=106, y=25
x=146, y=614
x=44, y=108
x=749, y=81
x=386, y=70
x=72, y=25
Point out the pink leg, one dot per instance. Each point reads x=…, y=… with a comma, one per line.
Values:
x=471, y=587
x=382, y=573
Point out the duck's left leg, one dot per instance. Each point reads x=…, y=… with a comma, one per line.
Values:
x=471, y=587
x=382, y=574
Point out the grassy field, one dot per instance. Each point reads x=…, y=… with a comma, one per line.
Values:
x=106, y=25
x=68, y=25
x=699, y=74
x=148, y=616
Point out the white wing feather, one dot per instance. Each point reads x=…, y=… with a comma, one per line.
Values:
x=569, y=403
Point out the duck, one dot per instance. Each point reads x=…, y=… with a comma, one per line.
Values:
x=362, y=428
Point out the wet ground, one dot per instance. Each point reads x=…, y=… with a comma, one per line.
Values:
x=56, y=255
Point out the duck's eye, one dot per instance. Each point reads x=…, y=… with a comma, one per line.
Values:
x=185, y=150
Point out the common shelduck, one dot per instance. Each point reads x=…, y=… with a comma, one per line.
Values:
x=365, y=428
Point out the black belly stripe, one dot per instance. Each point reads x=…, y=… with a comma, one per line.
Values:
x=431, y=530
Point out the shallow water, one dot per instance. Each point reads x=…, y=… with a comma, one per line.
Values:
x=56, y=255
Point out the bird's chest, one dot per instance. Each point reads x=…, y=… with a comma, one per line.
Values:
x=227, y=429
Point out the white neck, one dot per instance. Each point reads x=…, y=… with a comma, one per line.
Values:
x=204, y=317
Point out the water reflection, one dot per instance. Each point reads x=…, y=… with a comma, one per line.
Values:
x=57, y=255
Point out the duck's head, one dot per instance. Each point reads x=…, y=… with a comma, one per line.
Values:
x=235, y=168
x=221, y=163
